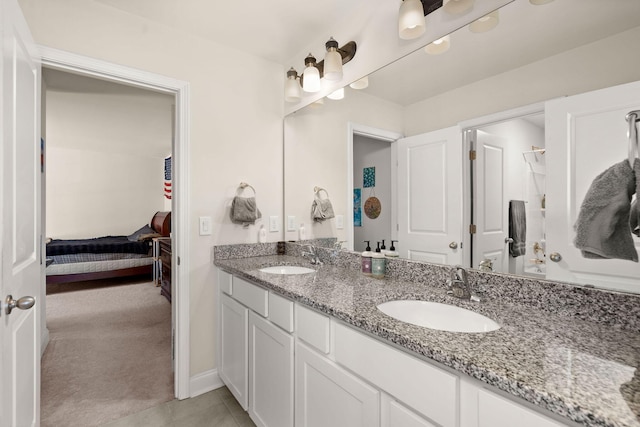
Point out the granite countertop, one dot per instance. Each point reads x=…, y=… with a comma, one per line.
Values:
x=583, y=370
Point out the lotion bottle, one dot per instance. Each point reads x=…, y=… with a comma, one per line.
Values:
x=303, y=233
x=392, y=253
x=366, y=259
x=378, y=264
x=262, y=234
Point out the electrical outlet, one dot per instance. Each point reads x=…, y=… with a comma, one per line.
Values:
x=273, y=223
x=291, y=223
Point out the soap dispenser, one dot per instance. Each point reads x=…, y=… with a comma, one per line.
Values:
x=378, y=263
x=383, y=248
x=366, y=259
x=392, y=253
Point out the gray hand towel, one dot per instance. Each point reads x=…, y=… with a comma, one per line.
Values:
x=244, y=210
x=602, y=228
x=517, y=228
x=321, y=209
x=634, y=217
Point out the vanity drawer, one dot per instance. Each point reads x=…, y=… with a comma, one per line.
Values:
x=313, y=327
x=253, y=296
x=281, y=312
x=427, y=389
x=224, y=281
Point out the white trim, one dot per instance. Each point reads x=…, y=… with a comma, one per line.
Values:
x=383, y=135
x=502, y=116
x=205, y=382
x=83, y=65
x=44, y=341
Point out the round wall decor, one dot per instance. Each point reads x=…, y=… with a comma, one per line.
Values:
x=372, y=207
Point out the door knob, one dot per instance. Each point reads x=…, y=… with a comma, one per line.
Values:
x=23, y=303
x=508, y=240
x=555, y=257
x=453, y=245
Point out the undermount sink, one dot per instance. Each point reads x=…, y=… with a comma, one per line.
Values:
x=433, y=315
x=287, y=269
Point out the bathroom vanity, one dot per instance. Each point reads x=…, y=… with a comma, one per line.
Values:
x=312, y=349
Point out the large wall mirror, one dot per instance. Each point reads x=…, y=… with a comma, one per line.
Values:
x=393, y=158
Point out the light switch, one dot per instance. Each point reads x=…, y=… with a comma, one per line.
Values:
x=273, y=223
x=205, y=225
x=339, y=222
x=291, y=223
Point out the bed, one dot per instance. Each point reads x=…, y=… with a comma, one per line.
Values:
x=106, y=257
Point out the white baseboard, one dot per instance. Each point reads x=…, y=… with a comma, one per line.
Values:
x=204, y=382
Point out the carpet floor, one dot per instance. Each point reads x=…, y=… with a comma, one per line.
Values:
x=109, y=352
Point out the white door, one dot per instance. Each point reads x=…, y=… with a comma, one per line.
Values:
x=430, y=196
x=21, y=268
x=586, y=134
x=491, y=207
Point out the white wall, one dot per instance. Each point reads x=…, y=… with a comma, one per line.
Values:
x=104, y=161
x=235, y=128
x=607, y=61
x=316, y=155
x=369, y=152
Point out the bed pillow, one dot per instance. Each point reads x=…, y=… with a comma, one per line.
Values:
x=142, y=233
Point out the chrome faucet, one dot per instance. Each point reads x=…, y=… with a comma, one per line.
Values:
x=313, y=255
x=459, y=283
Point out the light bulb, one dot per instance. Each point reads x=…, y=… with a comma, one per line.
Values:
x=332, y=61
x=411, y=23
x=311, y=75
x=292, y=87
x=438, y=46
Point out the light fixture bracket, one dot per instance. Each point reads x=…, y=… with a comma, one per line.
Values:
x=430, y=5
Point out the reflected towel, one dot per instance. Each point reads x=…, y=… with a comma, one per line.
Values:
x=244, y=210
x=634, y=216
x=602, y=228
x=321, y=209
x=517, y=228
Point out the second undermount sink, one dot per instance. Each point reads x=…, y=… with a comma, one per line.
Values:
x=287, y=269
x=433, y=315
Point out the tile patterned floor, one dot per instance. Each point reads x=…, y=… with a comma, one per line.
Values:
x=217, y=408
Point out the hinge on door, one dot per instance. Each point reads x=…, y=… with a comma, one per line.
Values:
x=472, y=229
x=472, y=154
x=178, y=260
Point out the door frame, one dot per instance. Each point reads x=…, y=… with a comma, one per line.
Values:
x=90, y=67
x=382, y=135
x=468, y=128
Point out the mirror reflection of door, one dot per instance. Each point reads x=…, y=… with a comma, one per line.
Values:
x=509, y=167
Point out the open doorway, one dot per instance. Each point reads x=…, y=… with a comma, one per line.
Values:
x=107, y=145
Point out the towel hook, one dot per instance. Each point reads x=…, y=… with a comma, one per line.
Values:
x=632, y=134
x=317, y=190
x=244, y=185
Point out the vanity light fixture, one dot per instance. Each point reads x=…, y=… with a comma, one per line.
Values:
x=337, y=95
x=330, y=68
x=332, y=61
x=457, y=7
x=363, y=83
x=439, y=46
x=292, y=86
x=310, y=75
x=411, y=23
x=486, y=23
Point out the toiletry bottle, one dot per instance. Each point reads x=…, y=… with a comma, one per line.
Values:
x=262, y=234
x=303, y=233
x=392, y=253
x=366, y=259
x=378, y=264
x=383, y=249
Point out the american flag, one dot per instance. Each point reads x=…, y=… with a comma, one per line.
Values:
x=167, y=177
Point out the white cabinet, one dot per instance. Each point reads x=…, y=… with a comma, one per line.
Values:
x=270, y=374
x=395, y=414
x=496, y=411
x=327, y=395
x=234, y=350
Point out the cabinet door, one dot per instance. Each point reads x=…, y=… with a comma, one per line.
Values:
x=234, y=349
x=270, y=374
x=327, y=395
x=395, y=414
x=496, y=411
